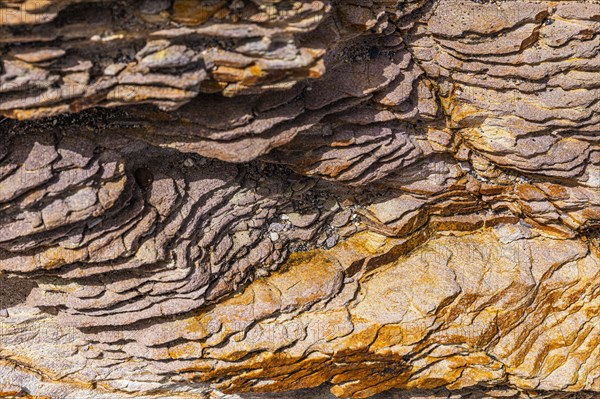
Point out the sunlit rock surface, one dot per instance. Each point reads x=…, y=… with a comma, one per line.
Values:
x=246, y=199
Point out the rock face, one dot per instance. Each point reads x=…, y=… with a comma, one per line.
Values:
x=299, y=199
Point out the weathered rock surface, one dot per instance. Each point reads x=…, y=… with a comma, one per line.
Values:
x=292, y=199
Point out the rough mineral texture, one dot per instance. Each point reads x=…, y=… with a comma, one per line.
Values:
x=279, y=199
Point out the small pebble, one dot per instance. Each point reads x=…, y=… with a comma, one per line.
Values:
x=273, y=236
x=341, y=218
x=276, y=227
x=331, y=205
x=331, y=241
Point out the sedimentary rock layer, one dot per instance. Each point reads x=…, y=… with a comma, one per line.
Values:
x=241, y=199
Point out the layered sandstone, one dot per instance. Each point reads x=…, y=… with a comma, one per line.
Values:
x=293, y=199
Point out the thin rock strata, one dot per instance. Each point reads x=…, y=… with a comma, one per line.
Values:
x=290, y=199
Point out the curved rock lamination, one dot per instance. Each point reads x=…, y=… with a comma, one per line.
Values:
x=347, y=198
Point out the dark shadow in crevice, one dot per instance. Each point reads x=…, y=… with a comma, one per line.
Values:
x=14, y=291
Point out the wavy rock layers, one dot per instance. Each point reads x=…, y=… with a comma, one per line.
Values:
x=124, y=236
x=510, y=317
x=357, y=198
x=77, y=54
x=520, y=81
